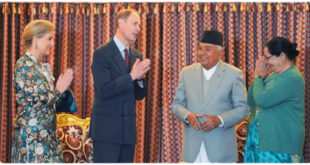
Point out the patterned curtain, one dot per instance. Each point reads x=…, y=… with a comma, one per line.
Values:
x=169, y=37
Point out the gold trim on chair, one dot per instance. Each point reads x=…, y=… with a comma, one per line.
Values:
x=68, y=119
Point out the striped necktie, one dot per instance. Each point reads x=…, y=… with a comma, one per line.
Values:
x=127, y=58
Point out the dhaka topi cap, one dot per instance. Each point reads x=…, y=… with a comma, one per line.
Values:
x=212, y=37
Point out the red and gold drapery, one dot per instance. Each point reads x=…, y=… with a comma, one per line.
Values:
x=169, y=36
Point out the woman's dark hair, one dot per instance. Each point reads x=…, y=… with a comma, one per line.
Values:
x=277, y=45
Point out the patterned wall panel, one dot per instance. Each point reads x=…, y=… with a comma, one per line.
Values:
x=153, y=110
x=170, y=33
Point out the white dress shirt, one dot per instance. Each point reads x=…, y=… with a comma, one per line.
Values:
x=122, y=48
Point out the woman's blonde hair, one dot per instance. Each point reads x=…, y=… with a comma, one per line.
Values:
x=36, y=28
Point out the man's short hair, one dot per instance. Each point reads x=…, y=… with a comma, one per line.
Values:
x=219, y=47
x=124, y=14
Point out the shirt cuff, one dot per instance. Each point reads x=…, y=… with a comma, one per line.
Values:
x=222, y=124
x=140, y=83
x=185, y=118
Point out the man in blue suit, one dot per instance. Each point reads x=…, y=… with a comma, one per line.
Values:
x=118, y=72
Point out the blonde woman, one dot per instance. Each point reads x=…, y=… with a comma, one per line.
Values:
x=34, y=135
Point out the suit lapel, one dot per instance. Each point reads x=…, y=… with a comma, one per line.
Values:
x=197, y=78
x=117, y=57
x=205, y=87
x=133, y=56
x=214, y=83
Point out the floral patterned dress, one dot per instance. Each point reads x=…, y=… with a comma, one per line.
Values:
x=34, y=135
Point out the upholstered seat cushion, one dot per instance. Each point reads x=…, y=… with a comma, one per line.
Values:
x=73, y=135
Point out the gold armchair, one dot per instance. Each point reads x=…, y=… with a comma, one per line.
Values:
x=73, y=134
x=241, y=133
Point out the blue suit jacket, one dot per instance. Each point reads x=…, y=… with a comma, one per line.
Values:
x=113, y=116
